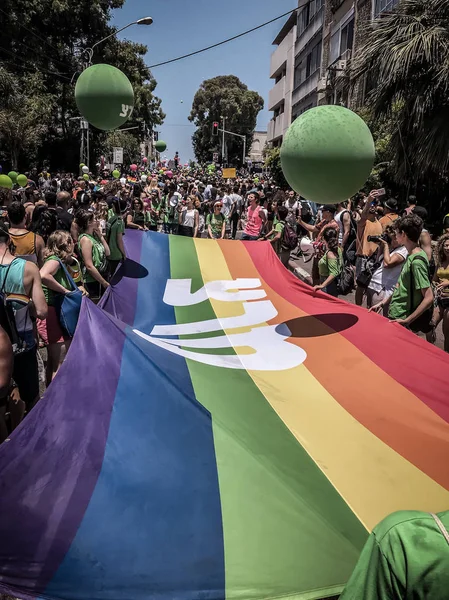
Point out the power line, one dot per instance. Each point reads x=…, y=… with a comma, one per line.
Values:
x=166, y=62
x=35, y=68
x=41, y=54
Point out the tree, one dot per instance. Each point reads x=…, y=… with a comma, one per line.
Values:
x=49, y=38
x=272, y=157
x=224, y=96
x=25, y=114
x=405, y=61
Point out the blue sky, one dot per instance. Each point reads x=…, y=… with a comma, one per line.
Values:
x=183, y=26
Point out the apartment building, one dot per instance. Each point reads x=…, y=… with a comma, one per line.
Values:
x=282, y=72
x=310, y=65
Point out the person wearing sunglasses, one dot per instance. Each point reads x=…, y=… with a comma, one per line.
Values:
x=138, y=218
x=216, y=223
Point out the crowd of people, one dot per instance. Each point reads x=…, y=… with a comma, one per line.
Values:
x=63, y=236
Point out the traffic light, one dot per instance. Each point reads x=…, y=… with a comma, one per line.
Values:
x=215, y=128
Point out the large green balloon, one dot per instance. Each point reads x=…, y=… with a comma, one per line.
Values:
x=115, y=174
x=5, y=182
x=13, y=176
x=160, y=146
x=22, y=180
x=104, y=96
x=327, y=154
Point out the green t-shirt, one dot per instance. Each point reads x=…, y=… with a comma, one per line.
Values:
x=405, y=558
x=278, y=228
x=216, y=224
x=60, y=278
x=155, y=205
x=98, y=257
x=330, y=266
x=404, y=301
x=115, y=226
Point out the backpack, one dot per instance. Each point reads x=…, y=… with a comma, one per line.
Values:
x=289, y=237
x=345, y=282
x=8, y=320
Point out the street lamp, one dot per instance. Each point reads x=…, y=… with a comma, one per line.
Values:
x=89, y=52
x=143, y=21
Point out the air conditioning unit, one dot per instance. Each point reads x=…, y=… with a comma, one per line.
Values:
x=322, y=84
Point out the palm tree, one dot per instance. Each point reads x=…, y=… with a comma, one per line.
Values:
x=405, y=63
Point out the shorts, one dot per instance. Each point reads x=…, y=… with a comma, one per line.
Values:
x=249, y=238
x=50, y=330
x=360, y=263
x=26, y=376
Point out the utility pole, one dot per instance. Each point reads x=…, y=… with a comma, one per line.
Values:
x=223, y=142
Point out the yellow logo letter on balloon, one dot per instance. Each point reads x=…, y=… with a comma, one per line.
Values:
x=104, y=96
x=327, y=154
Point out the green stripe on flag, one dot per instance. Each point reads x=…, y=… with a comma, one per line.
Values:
x=286, y=529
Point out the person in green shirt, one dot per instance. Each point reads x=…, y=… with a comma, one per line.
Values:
x=330, y=264
x=115, y=231
x=405, y=557
x=54, y=282
x=275, y=236
x=94, y=251
x=413, y=295
x=216, y=223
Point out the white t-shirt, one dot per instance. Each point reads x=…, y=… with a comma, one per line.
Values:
x=340, y=224
x=227, y=205
x=292, y=208
x=386, y=279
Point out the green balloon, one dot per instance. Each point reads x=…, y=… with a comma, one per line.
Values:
x=327, y=154
x=6, y=182
x=104, y=96
x=13, y=176
x=160, y=146
x=115, y=174
x=82, y=165
x=86, y=177
x=22, y=180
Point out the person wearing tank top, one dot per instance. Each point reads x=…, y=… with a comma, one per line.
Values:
x=20, y=283
x=28, y=245
x=256, y=219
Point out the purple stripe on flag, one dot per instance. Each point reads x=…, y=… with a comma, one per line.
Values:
x=49, y=468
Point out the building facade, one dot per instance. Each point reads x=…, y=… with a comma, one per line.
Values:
x=258, y=145
x=314, y=68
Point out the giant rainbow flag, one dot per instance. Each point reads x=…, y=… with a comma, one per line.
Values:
x=219, y=431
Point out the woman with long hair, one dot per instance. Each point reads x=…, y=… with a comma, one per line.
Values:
x=441, y=283
x=101, y=215
x=44, y=222
x=189, y=219
x=138, y=217
x=94, y=251
x=54, y=282
x=330, y=264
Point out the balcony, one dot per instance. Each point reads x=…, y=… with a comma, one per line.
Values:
x=306, y=88
x=276, y=128
x=276, y=95
x=310, y=32
x=279, y=56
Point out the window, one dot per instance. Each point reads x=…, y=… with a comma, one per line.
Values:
x=308, y=65
x=382, y=5
x=342, y=39
x=307, y=15
x=347, y=37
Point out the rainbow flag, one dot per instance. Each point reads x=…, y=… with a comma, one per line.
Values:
x=219, y=431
